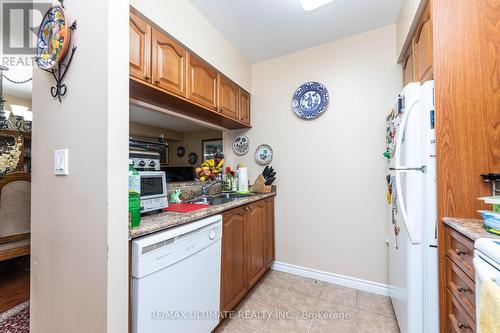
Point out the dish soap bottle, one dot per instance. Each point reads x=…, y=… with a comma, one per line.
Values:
x=134, y=196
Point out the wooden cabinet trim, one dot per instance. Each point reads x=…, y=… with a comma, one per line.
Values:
x=151, y=94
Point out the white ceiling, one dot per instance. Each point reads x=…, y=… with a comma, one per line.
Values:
x=163, y=120
x=264, y=29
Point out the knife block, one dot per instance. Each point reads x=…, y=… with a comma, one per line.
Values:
x=259, y=186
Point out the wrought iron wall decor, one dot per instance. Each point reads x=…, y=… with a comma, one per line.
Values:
x=54, y=39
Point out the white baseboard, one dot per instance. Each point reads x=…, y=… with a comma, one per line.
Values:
x=346, y=281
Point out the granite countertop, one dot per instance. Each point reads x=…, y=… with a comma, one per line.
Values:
x=470, y=228
x=157, y=222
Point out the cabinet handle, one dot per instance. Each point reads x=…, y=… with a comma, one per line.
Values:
x=157, y=81
x=463, y=326
x=460, y=252
x=247, y=208
x=462, y=289
x=147, y=77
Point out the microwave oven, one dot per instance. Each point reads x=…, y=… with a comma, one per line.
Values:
x=153, y=191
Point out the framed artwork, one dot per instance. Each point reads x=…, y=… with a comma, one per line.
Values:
x=210, y=147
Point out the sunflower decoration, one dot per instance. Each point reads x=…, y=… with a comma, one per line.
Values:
x=211, y=168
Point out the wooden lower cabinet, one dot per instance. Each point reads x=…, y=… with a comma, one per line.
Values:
x=247, y=249
x=458, y=308
x=233, y=275
x=256, y=241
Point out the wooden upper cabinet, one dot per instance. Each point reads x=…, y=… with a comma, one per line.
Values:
x=228, y=97
x=140, y=48
x=169, y=64
x=202, y=82
x=256, y=240
x=423, y=48
x=408, y=67
x=244, y=106
x=233, y=279
x=162, y=70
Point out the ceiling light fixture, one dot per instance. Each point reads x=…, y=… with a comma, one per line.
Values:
x=309, y=5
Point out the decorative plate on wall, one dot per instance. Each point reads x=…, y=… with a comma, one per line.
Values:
x=53, y=38
x=193, y=158
x=264, y=154
x=181, y=151
x=310, y=100
x=241, y=145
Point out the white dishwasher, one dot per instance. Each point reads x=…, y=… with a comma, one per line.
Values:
x=176, y=279
x=487, y=267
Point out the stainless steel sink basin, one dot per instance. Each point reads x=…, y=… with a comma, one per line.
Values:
x=232, y=195
x=219, y=199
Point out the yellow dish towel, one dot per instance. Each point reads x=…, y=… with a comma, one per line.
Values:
x=490, y=307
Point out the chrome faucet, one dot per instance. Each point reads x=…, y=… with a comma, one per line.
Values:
x=206, y=186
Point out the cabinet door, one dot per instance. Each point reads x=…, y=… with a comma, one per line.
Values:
x=244, y=106
x=256, y=241
x=202, y=82
x=408, y=66
x=270, y=256
x=169, y=64
x=140, y=48
x=233, y=280
x=228, y=97
x=423, y=48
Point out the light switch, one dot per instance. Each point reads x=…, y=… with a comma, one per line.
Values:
x=61, y=162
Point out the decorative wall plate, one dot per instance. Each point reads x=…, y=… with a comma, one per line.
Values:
x=193, y=158
x=181, y=151
x=53, y=38
x=310, y=100
x=264, y=154
x=241, y=145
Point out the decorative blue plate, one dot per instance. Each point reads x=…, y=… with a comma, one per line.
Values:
x=310, y=100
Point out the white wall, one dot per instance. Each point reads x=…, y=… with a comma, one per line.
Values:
x=183, y=21
x=331, y=202
x=79, y=231
x=407, y=20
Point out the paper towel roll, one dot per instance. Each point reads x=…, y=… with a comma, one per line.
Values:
x=242, y=180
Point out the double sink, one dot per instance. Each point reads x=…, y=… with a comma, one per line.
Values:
x=219, y=199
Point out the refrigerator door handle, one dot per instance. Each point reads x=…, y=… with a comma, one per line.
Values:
x=400, y=135
x=414, y=237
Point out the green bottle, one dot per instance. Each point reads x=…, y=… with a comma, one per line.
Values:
x=134, y=196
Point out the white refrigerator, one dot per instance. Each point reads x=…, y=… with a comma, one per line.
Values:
x=412, y=208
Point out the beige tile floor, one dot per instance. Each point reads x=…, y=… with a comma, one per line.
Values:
x=287, y=303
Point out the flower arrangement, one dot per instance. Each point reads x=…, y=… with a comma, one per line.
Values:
x=9, y=160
